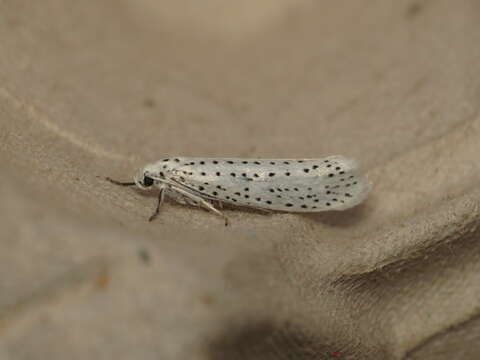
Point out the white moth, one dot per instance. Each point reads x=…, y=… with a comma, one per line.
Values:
x=292, y=185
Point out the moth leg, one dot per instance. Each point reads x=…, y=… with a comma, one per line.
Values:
x=188, y=200
x=202, y=202
x=161, y=197
x=210, y=207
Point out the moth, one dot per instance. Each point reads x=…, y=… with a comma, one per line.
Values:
x=289, y=185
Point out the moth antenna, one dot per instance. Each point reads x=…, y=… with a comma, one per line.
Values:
x=120, y=182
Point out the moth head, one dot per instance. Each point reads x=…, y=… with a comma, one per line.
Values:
x=143, y=179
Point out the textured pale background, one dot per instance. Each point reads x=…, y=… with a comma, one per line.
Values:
x=97, y=88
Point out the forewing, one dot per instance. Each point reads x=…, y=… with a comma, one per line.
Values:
x=309, y=185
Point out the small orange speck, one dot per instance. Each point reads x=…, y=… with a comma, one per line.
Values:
x=102, y=281
x=207, y=299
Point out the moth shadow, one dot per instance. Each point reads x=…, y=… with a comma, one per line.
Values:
x=342, y=218
x=264, y=340
x=247, y=209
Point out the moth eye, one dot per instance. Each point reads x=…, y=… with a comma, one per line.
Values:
x=147, y=181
